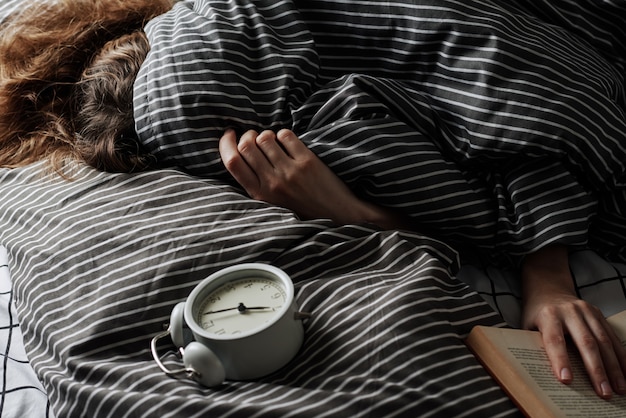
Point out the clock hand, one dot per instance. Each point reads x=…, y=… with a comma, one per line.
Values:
x=241, y=308
x=220, y=310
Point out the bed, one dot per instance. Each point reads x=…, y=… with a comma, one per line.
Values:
x=91, y=268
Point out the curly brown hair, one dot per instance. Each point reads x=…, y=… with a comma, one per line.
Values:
x=66, y=77
x=104, y=124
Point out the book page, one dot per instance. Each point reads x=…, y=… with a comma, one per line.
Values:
x=577, y=399
x=618, y=322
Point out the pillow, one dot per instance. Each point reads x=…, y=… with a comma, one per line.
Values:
x=99, y=262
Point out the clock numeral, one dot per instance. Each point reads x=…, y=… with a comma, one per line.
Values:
x=265, y=287
x=221, y=331
x=276, y=296
x=207, y=324
x=249, y=285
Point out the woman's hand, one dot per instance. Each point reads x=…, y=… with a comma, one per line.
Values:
x=280, y=169
x=552, y=307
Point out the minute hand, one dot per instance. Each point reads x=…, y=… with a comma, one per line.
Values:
x=241, y=308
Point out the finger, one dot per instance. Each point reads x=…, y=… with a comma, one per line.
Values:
x=253, y=155
x=586, y=340
x=556, y=350
x=291, y=143
x=274, y=152
x=236, y=164
x=620, y=351
x=611, y=351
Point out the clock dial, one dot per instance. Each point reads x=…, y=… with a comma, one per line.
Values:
x=242, y=305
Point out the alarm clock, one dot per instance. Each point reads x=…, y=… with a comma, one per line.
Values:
x=240, y=323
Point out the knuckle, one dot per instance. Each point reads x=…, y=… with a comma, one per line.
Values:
x=588, y=342
x=263, y=140
x=582, y=305
x=244, y=147
x=604, y=339
x=247, y=139
x=232, y=162
x=549, y=313
x=306, y=163
x=556, y=340
x=597, y=372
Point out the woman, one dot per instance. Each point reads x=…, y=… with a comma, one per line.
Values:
x=62, y=115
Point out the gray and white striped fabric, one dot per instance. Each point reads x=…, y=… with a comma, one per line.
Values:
x=98, y=263
x=7, y=7
x=494, y=123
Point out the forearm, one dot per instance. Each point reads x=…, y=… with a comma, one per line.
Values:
x=546, y=272
x=365, y=212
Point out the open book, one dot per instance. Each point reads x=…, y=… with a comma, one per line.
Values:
x=517, y=361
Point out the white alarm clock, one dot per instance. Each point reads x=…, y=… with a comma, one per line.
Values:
x=239, y=323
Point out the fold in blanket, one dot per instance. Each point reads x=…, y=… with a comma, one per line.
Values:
x=496, y=124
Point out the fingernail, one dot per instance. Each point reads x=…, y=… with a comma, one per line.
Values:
x=605, y=388
x=566, y=375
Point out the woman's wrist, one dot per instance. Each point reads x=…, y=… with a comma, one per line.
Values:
x=545, y=277
x=547, y=267
x=382, y=217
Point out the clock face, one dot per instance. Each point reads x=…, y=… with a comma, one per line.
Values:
x=240, y=306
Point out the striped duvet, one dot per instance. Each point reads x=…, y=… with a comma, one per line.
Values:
x=497, y=124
